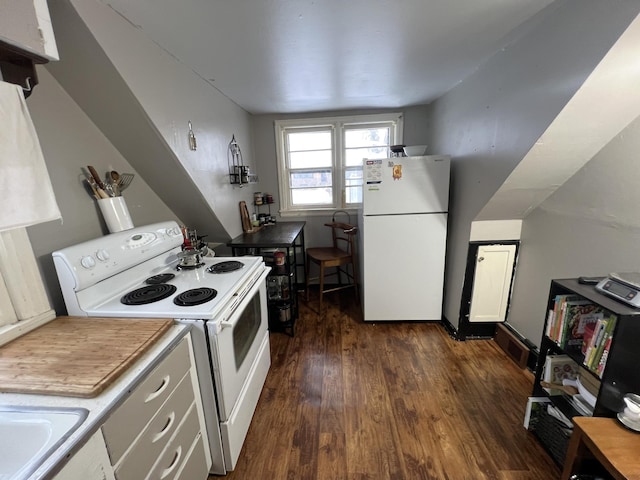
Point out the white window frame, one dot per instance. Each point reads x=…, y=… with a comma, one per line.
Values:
x=337, y=125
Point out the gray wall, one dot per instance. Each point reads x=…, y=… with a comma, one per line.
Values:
x=70, y=142
x=489, y=122
x=415, y=129
x=142, y=99
x=590, y=226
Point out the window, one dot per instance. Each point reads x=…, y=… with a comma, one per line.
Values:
x=320, y=159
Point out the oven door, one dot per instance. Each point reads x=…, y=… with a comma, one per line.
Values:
x=236, y=345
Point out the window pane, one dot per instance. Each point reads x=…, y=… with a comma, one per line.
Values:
x=365, y=137
x=354, y=156
x=319, y=178
x=319, y=158
x=353, y=176
x=303, y=141
x=312, y=196
x=353, y=194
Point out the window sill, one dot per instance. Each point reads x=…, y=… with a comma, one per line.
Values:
x=317, y=212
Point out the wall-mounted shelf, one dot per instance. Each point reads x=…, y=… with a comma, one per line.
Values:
x=239, y=173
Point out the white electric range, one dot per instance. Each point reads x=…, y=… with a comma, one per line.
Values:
x=136, y=274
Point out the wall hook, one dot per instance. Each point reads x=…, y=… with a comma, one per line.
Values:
x=28, y=87
x=192, y=138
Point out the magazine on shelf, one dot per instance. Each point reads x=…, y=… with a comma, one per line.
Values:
x=558, y=368
x=579, y=314
x=534, y=405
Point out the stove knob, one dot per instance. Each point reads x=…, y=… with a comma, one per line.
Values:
x=88, y=262
x=102, y=255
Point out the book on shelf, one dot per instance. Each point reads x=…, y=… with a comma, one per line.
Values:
x=589, y=381
x=603, y=359
x=567, y=320
x=581, y=405
x=598, y=332
x=600, y=342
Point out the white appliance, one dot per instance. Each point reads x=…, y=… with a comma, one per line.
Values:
x=135, y=273
x=403, y=231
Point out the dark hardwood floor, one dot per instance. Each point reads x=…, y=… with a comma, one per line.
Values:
x=349, y=400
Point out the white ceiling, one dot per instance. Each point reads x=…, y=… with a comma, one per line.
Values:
x=285, y=56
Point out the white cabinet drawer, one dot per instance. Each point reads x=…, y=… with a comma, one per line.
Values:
x=195, y=465
x=178, y=448
x=126, y=422
x=137, y=462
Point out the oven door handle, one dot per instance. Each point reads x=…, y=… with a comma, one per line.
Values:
x=248, y=291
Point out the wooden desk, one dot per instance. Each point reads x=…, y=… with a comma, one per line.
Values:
x=280, y=235
x=613, y=446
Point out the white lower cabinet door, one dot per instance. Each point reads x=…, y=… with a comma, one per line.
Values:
x=91, y=462
x=492, y=283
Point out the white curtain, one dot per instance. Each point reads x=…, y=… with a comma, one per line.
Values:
x=26, y=193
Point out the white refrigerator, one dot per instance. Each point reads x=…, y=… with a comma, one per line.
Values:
x=403, y=234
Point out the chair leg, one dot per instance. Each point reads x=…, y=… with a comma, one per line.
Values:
x=355, y=280
x=307, y=267
x=321, y=284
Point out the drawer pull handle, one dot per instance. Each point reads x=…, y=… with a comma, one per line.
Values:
x=158, y=391
x=166, y=428
x=176, y=459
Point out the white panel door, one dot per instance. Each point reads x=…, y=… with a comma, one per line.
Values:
x=491, y=283
x=403, y=267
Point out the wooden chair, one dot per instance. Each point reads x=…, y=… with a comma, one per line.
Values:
x=338, y=256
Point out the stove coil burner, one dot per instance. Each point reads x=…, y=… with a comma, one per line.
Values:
x=195, y=296
x=225, y=267
x=189, y=267
x=161, y=278
x=148, y=294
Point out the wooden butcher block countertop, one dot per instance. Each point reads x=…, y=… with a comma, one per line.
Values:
x=76, y=356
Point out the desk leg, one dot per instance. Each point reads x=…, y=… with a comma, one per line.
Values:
x=577, y=451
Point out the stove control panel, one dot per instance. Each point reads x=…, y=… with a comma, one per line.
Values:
x=140, y=240
x=87, y=263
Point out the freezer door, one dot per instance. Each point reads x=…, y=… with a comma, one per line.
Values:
x=406, y=185
x=403, y=266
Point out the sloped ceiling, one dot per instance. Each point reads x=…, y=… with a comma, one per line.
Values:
x=606, y=103
x=284, y=56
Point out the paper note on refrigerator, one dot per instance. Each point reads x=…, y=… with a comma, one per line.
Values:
x=372, y=171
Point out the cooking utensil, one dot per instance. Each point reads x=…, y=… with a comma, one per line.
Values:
x=112, y=180
x=99, y=192
x=125, y=180
x=244, y=217
x=92, y=184
x=95, y=176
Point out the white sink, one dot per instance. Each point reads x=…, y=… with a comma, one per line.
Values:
x=28, y=435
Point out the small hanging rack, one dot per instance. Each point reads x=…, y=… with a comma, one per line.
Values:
x=238, y=171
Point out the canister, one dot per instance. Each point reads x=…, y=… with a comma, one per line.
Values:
x=284, y=313
x=257, y=198
x=278, y=257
